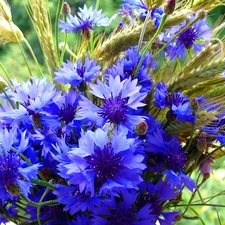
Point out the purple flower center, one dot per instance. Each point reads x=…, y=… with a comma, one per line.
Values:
x=188, y=37
x=114, y=109
x=176, y=160
x=8, y=170
x=121, y=217
x=81, y=71
x=105, y=163
x=67, y=113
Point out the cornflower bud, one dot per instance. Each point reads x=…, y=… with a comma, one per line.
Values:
x=178, y=217
x=52, y=181
x=14, y=189
x=66, y=10
x=169, y=7
x=194, y=104
x=201, y=145
x=141, y=128
x=202, y=14
x=206, y=168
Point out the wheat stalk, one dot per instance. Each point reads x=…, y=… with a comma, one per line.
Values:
x=9, y=32
x=128, y=37
x=38, y=12
x=203, y=66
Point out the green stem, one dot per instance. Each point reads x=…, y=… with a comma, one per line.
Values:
x=143, y=31
x=192, y=196
x=175, y=36
x=7, y=78
x=6, y=95
x=42, y=183
x=191, y=138
x=64, y=47
x=199, y=204
x=39, y=207
x=22, y=51
x=71, y=53
x=50, y=202
x=33, y=55
x=97, y=4
x=59, y=7
x=146, y=48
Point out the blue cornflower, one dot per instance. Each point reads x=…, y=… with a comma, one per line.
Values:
x=118, y=100
x=123, y=212
x=46, y=212
x=61, y=112
x=156, y=195
x=190, y=38
x=15, y=173
x=127, y=66
x=86, y=19
x=103, y=166
x=75, y=200
x=141, y=7
x=81, y=220
x=77, y=73
x=171, y=157
x=136, y=4
x=34, y=96
x=156, y=14
x=179, y=104
x=160, y=95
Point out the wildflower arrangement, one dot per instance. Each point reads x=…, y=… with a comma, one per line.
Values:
x=113, y=133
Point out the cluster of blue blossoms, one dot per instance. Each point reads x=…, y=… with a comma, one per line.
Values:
x=106, y=159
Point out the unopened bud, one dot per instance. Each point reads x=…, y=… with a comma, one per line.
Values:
x=52, y=181
x=47, y=173
x=66, y=9
x=194, y=104
x=178, y=217
x=169, y=7
x=14, y=189
x=206, y=176
x=141, y=128
x=62, y=181
x=202, y=145
x=206, y=168
x=202, y=14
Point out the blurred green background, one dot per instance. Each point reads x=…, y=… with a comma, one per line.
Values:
x=10, y=56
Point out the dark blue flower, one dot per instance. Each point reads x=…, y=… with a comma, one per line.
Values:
x=75, y=200
x=156, y=14
x=103, y=166
x=86, y=19
x=61, y=112
x=172, y=159
x=156, y=195
x=127, y=66
x=160, y=95
x=76, y=73
x=15, y=173
x=33, y=97
x=118, y=99
x=123, y=212
x=190, y=38
x=179, y=104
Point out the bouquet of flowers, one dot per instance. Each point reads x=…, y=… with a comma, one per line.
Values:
x=114, y=131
